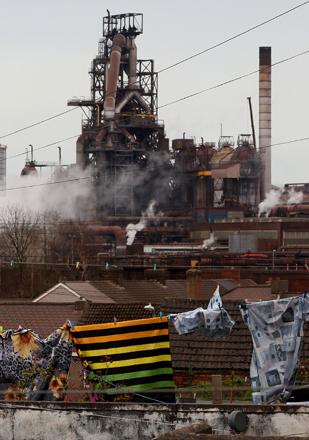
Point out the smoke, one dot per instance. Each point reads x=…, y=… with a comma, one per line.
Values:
x=133, y=185
x=295, y=197
x=278, y=196
x=44, y=194
x=273, y=197
x=132, y=229
x=209, y=241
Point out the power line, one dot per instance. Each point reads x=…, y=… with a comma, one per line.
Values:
x=172, y=65
x=38, y=123
x=40, y=148
x=287, y=142
x=89, y=177
x=237, y=78
x=46, y=183
x=234, y=37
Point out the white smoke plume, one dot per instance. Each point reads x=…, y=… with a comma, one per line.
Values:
x=273, y=197
x=132, y=229
x=295, y=197
x=44, y=194
x=209, y=241
x=277, y=196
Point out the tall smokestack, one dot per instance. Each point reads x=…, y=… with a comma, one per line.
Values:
x=265, y=119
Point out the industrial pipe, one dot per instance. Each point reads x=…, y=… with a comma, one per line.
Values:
x=119, y=42
x=128, y=97
x=80, y=152
x=132, y=62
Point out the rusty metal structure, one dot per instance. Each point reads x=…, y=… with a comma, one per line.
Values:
x=122, y=140
x=205, y=191
x=221, y=178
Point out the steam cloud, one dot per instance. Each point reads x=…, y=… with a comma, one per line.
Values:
x=209, y=241
x=39, y=194
x=277, y=196
x=295, y=197
x=132, y=229
x=272, y=199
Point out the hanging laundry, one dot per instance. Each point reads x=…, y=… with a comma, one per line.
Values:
x=211, y=322
x=276, y=329
x=215, y=301
x=188, y=322
x=134, y=354
x=32, y=368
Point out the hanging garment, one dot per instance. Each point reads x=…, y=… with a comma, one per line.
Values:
x=134, y=354
x=32, y=368
x=212, y=322
x=209, y=323
x=215, y=302
x=188, y=322
x=276, y=328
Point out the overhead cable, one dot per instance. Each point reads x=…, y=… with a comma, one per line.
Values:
x=240, y=34
x=38, y=123
x=89, y=177
x=40, y=148
x=47, y=183
x=237, y=78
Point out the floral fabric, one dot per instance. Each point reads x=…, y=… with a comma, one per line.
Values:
x=32, y=368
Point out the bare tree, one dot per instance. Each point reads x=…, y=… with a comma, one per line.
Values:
x=20, y=231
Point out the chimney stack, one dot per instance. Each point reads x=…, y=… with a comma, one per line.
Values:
x=194, y=282
x=265, y=119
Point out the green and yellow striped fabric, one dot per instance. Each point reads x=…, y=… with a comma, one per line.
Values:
x=132, y=353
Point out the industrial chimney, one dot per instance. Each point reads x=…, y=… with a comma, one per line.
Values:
x=265, y=119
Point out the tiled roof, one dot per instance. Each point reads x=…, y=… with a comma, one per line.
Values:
x=250, y=293
x=88, y=291
x=208, y=354
x=152, y=291
x=43, y=318
x=229, y=284
x=100, y=313
x=127, y=291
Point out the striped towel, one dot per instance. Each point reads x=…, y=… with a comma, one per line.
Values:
x=132, y=353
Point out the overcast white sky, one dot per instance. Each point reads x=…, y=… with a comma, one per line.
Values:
x=46, y=48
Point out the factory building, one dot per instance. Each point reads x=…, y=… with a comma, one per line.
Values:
x=124, y=145
x=200, y=189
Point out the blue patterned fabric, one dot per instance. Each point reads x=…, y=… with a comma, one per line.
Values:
x=277, y=331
